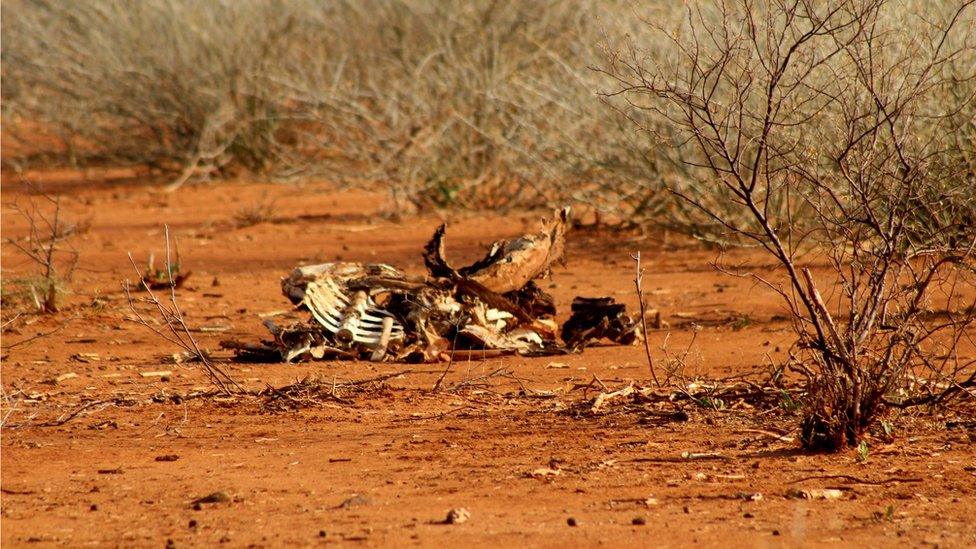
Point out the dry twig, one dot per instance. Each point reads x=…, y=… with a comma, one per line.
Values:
x=176, y=329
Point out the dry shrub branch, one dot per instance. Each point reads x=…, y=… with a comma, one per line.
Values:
x=175, y=329
x=825, y=131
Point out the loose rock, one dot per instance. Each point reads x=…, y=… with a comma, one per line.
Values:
x=215, y=497
x=459, y=515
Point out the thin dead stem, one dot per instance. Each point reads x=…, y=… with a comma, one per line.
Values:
x=176, y=330
x=638, y=280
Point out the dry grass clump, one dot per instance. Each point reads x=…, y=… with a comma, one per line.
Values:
x=484, y=104
x=174, y=85
x=461, y=104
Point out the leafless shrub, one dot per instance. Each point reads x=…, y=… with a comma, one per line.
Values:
x=638, y=281
x=47, y=246
x=463, y=104
x=166, y=83
x=675, y=364
x=254, y=214
x=826, y=127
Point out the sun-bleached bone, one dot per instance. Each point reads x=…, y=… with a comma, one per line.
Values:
x=351, y=319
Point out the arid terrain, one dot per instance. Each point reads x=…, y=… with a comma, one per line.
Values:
x=109, y=456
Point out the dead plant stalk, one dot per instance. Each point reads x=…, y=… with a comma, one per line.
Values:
x=177, y=332
x=638, y=282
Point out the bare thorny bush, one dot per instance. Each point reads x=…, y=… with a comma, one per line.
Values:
x=485, y=104
x=47, y=246
x=170, y=85
x=836, y=130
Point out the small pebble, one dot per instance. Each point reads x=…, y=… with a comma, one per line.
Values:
x=94, y=507
x=775, y=532
x=686, y=509
x=197, y=506
x=747, y=515
x=571, y=521
x=639, y=521
x=322, y=533
x=193, y=523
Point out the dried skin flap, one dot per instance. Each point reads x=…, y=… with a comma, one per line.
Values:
x=519, y=340
x=503, y=278
x=510, y=265
x=294, y=285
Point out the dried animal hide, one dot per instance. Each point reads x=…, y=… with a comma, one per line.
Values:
x=509, y=265
x=375, y=276
x=504, y=277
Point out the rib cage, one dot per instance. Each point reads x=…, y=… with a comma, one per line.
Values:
x=355, y=319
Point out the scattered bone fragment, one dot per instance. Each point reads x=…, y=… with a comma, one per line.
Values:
x=380, y=351
x=215, y=328
x=602, y=398
x=544, y=472
x=815, y=493
x=520, y=340
x=64, y=377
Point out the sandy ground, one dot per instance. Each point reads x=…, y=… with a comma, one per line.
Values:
x=383, y=467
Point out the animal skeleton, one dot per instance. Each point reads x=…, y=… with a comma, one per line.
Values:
x=376, y=311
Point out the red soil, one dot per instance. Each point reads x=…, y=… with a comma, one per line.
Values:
x=400, y=456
